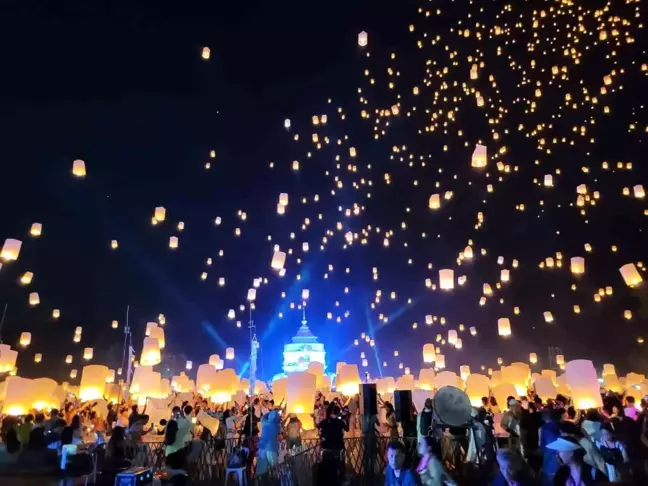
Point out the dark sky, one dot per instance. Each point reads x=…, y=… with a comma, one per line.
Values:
x=123, y=87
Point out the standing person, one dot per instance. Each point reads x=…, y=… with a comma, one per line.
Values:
x=51, y=423
x=269, y=441
x=390, y=421
x=174, y=439
x=397, y=474
x=293, y=431
x=512, y=470
x=72, y=433
x=332, y=441
x=613, y=452
x=23, y=430
x=549, y=433
x=573, y=470
x=630, y=409
x=530, y=424
x=424, y=420
x=430, y=469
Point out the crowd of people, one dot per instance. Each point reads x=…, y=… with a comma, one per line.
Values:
x=532, y=442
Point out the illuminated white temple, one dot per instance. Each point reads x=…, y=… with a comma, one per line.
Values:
x=303, y=350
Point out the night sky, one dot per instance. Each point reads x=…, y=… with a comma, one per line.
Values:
x=126, y=90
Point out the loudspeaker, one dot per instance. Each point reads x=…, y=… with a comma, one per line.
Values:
x=403, y=406
x=368, y=399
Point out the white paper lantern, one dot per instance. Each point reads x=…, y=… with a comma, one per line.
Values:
x=428, y=353
x=545, y=388
x=447, y=378
x=477, y=386
x=630, y=275
x=426, y=379
x=157, y=333
x=25, y=339
x=516, y=376
x=10, y=249
x=446, y=279
x=34, y=299
x=479, y=157
x=300, y=394
x=150, y=352
x=78, y=168
x=149, y=327
x=93, y=382
x=206, y=378
x=452, y=337
x=583, y=383
x=88, y=353
x=533, y=358
x=440, y=361
x=278, y=260
x=504, y=327
x=348, y=380
x=173, y=242
x=435, y=201
x=36, y=229
x=363, y=39
x=56, y=313
x=577, y=265
x=229, y=353
x=160, y=214
x=464, y=372
x=608, y=369
x=38, y=357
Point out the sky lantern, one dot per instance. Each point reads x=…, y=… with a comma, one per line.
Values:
x=159, y=214
x=533, y=358
x=25, y=339
x=150, y=352
x=206, y=53
x=287, y=123
x=426, y=379
x=283, y=199
x=477, y=386
x=548, y=316
x=68, y=359
x=608, y=369
x=8, y=358
x=639, y=191
x=10, y=249
x=363, y=39
x=26, y=278
x=548, y=180
x=428, y=353
x=88, y=353
x=206, y=378
x=38, y=357
x=173, y=242
x=189, y=365
x=440, y=361
x=452, y=336
x=36, y=230
x=93, y=382
x=114, y=244
x=435, y=201
x=73, y=374
x=149, y=327
x=630, y=275
x=231, y=314
x=347, y=380
x=504, y=327
x=583, y=383
x=56, y=313
x=516, y=376
x=504, y=275
x=34, y=299
x=479, y=157
x=446, y=279
x=464, y=372
x=78, y=168
x=300, y=392
x=229, y=354
x=577, y=265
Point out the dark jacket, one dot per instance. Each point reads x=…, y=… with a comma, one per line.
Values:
x=589, y=476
